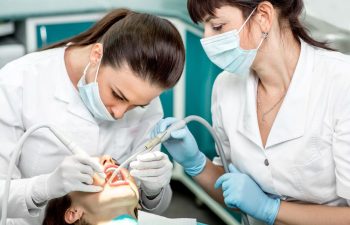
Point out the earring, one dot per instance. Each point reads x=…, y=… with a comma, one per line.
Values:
x=265, y=34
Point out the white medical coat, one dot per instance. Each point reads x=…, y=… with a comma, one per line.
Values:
x=36, y=89
x=307, y=154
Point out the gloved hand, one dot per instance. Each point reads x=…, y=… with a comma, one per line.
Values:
x=154, y=170
x=182, y=146
x=240, y=191
x=75, y=173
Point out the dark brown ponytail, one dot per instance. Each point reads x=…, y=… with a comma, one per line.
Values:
x=95, y=33
x=151, y=46
x=290, y=10
x=299, y=30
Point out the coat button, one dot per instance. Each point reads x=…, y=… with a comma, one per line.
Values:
x=266, y=162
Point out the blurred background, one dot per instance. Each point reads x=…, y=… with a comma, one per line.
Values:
x=28, y=25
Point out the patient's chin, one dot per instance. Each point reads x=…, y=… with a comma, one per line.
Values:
x=114, y=199
x=118, y=193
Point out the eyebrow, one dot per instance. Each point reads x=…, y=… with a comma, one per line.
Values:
x=116, y=90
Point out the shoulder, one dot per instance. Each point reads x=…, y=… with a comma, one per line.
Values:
x=332, y=63
x=36, y=58
x=330, y=69
x=29, y=65
x=332, y=56
x=228, y=84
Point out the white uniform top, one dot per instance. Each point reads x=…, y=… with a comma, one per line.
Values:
x=36, y=89
x=307, y=154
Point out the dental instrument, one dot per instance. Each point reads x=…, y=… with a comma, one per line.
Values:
x=166, y=135
x=149, y=146
x=73, y=147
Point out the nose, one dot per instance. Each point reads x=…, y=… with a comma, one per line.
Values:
x=119, y=110
x=205, y=34
x=207, y=31
x=106, y=159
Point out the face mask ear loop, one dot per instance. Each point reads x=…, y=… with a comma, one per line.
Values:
x=245, y=22
x=86, y=68
x=264, y=36
x=98, y=69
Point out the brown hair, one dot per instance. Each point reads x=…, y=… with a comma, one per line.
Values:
x=56, y=208
x=290, y=10
x=151, y=46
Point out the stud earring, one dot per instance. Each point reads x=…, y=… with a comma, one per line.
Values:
x=265, y=34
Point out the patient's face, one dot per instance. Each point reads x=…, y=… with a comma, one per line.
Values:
x=122, y=192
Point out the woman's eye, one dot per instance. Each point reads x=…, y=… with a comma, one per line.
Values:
x=217, y=27
x=117, y=96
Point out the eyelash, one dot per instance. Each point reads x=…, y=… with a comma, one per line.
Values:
x=117, y=96
x=218, y=27
x=115, y=161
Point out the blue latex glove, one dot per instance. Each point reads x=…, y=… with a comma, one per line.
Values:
x=240, y=191
x=182, y=147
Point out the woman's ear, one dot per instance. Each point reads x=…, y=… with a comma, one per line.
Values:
x=266, y=13
x=96, y=53
x=73, y=214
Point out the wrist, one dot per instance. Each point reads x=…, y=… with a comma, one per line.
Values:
x=196, y=164
x=151, y=193
x=39, y=194
x=272, y=210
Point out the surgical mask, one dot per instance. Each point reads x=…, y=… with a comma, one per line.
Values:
x=224, y=51
x=90, y=95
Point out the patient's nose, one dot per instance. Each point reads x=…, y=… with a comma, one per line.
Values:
x=106, y=159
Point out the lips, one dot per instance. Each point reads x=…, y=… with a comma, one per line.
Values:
x=119, y=179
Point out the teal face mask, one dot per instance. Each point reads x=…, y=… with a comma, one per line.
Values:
x=224, y=51
x=90, y=95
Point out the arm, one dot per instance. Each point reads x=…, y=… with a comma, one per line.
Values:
x=299, y=214
x=152, y=169
x=28, y=196
x=11, y=129
x=207, y=179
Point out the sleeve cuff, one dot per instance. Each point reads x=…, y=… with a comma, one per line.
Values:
x=217, y=161
x=343, y=189
x=158, y=204
x=34, y=208
x=18, y=206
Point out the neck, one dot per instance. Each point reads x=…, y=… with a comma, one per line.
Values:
x=276, y=63
x=105, y=217
x=76, y=59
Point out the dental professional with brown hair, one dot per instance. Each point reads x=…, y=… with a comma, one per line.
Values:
x=101, y=88
x=282, y=111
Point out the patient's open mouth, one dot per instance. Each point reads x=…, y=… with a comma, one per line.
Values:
x=119, y=179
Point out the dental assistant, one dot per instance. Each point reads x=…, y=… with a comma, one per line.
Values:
x=282, y=111
x=102, y=89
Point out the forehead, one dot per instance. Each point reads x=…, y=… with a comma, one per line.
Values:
x=226, y=12
x=136, y=89
x=199, y=9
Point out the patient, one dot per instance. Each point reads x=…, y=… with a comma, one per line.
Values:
x=118, y=201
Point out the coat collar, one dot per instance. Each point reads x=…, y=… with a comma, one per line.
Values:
x=66, y=92
x=291, y=119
